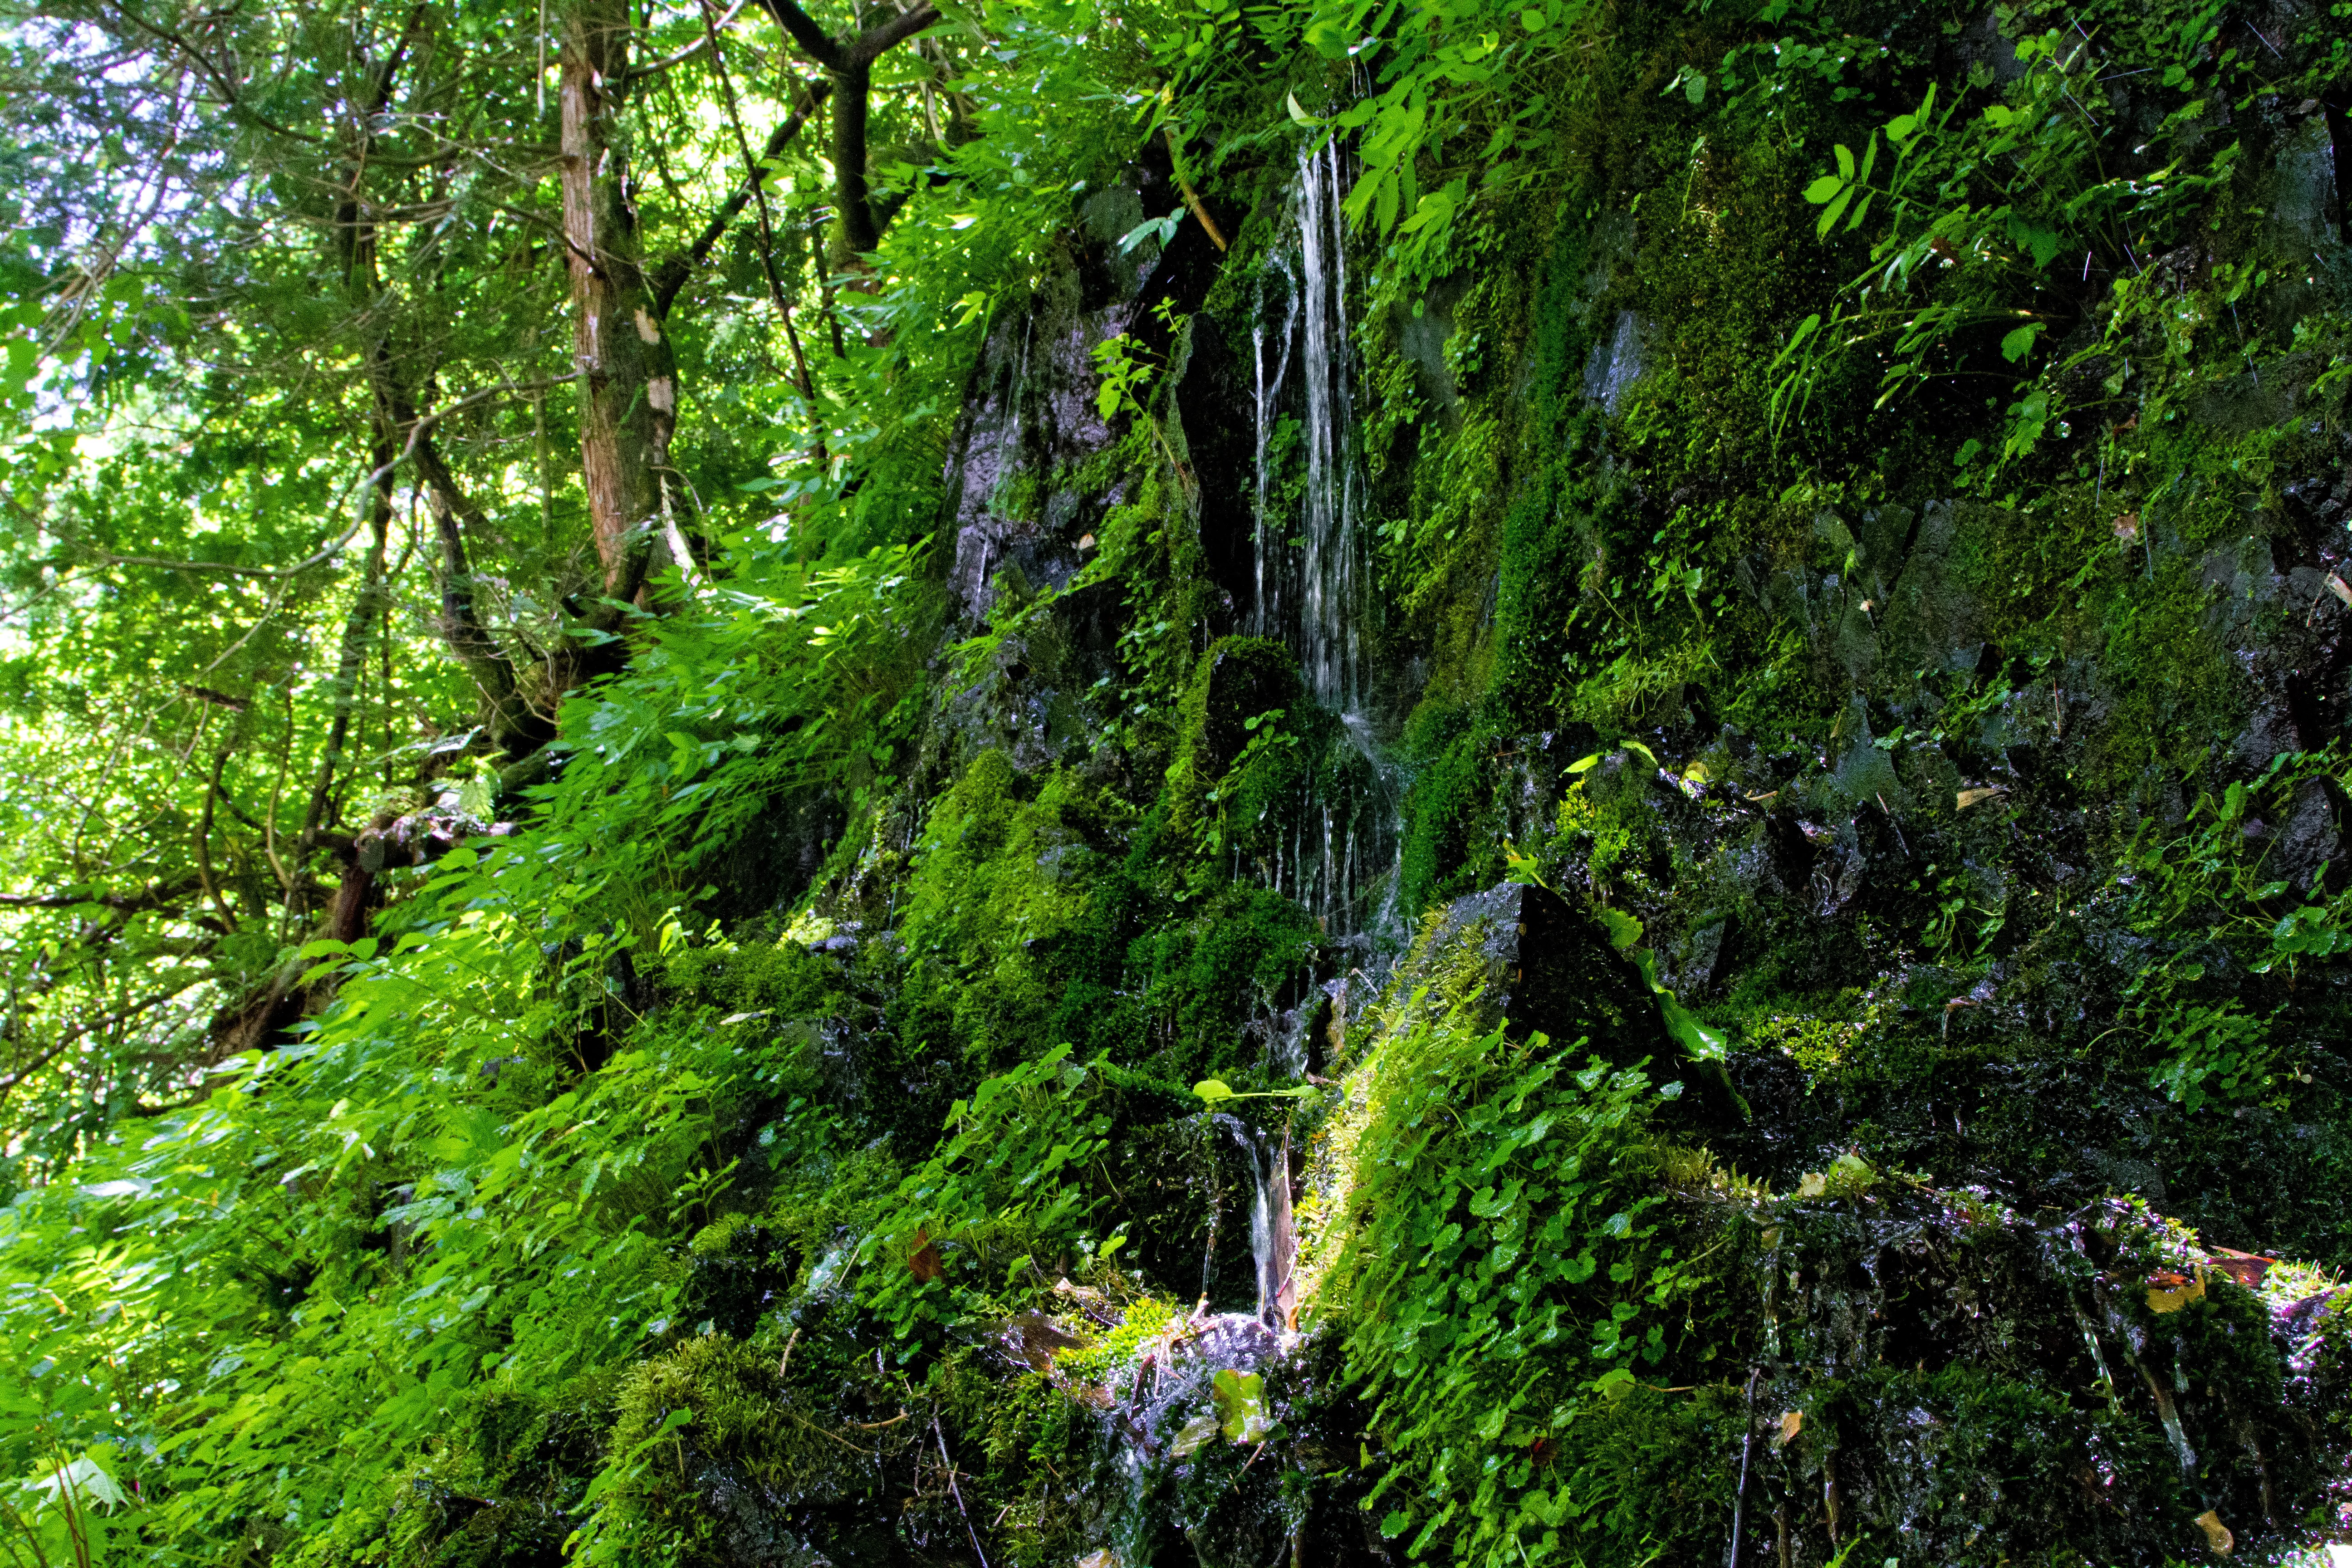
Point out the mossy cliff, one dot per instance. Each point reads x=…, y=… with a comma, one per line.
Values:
x=1913, y=789
x=1939, y=797
x=1644, y=864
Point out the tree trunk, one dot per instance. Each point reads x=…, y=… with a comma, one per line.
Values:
x=629, y=377
x=848, y=63
x=855, y=233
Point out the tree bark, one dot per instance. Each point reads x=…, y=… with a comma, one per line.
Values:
x=628, y=376
x=514, y=728
x=858, y=233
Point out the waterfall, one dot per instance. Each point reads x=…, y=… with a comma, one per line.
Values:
x=1330, y=613
x=1273, y=1236
x=1266, y=607
x=1309, y=592
x=1311, y=576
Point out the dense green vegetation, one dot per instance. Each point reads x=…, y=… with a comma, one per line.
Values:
x=1188, y=781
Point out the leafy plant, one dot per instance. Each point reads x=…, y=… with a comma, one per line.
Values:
x=2208, y=900
x=1504, y=1268
x=1978, y=203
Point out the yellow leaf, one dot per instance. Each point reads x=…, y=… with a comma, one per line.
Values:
x=2171, y=1293
x=1792, y=1423
x=1969, y=797
x=2217, y=1534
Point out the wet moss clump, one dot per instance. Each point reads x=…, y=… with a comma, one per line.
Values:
x=716, y=1460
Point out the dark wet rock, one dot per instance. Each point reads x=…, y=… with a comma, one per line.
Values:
x=2308, y=840
x=1189, y=1184
x=1700, y=958
x=1544, y=965
x=1929, y=609
x=731, y=1287
x=1918, y=1349
x=1423, y=338
x=1618, y=362
x=1212, y=401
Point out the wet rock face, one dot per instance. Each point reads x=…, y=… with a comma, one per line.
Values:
x=1546, y=966
x=1890, y=877
x=733, y=1289
x=1193, y=1184
x=1935, y=1371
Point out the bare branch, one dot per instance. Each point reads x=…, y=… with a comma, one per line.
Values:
x=811, y=39
x=673, y=273
x=162, y=895
x=896, y=30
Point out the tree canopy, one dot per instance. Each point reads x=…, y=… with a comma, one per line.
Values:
x=376, y=373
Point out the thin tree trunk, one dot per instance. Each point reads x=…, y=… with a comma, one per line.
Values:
x=854, y=229
x=516, y=729
x=319, y=810
x=849, y=62
x=628, y=376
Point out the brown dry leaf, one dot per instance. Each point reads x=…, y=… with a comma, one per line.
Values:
x=2128, y=527
x=2246, y=1267
x=1032, y=1337
x=1086, y=542
x=1792, y=1423
x=925, y=1263
x=1969, y=797
x=2341, y=589
x=2217, y=1534
x=2168, y=1292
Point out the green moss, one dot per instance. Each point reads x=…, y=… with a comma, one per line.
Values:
x=1244, y=696
x=2176, y=689
x=1230, y=960
x=781, y=978
x=1448, y=845
x=501, y=1482
x=710, y=1419
x=1002, y=881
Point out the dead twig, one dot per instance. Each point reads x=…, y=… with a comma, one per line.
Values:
x=957, y=1493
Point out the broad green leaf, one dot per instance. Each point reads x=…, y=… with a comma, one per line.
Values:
x=1240, y=1398
x=1835, y=210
